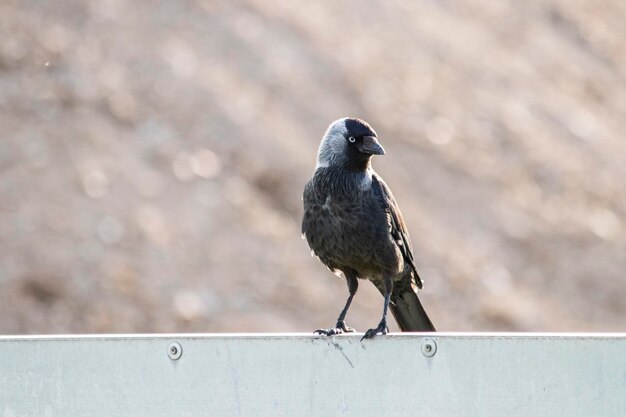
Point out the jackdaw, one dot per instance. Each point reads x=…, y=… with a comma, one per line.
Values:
x=353, y=225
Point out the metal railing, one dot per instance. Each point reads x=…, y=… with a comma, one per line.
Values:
x=438, y=374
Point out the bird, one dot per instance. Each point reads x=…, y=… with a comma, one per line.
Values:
x=354, y=226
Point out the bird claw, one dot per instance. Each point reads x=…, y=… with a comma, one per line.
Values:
x=382, y=329
x=339, y=328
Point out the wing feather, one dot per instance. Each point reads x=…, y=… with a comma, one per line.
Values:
x=399, y=231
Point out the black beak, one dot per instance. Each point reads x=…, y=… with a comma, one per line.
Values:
x=370, y=146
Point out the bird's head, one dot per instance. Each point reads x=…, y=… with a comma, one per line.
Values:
x=349, y=143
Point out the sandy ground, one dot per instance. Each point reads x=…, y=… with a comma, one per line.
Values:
x=153, y=154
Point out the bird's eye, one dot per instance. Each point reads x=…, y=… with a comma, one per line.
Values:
x=351, y=139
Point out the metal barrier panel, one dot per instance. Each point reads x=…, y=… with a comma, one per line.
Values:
x=303, y=375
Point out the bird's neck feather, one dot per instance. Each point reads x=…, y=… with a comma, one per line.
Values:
x=342, y=180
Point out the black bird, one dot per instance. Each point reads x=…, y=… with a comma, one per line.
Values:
x=353, y=225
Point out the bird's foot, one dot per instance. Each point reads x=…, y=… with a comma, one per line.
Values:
x=339, y=328
x=381, y=329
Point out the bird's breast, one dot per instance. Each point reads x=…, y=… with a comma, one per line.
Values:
x=327, y=203
x=351, y=232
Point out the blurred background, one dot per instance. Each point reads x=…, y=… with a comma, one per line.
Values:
x=153, y=155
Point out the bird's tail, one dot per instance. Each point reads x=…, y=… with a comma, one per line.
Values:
x=408, y=311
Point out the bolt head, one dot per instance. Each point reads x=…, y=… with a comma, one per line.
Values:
x=174, y=351
x=429, y=348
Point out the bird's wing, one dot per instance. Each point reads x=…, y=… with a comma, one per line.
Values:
x=399, y=231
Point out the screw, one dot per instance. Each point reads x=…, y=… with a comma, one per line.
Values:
x=174, y=351
x=429, y=348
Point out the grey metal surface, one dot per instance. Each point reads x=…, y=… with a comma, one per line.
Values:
x=302, y=375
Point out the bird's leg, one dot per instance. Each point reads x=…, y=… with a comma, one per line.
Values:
x=382, y=326
x=353, y=285
x=340, y=327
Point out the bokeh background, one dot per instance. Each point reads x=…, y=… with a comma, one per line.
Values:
x=153, y=155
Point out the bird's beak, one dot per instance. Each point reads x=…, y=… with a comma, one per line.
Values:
x=370, y=146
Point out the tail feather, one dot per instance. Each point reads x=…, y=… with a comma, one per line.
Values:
x=407, y=308
x=409, y=313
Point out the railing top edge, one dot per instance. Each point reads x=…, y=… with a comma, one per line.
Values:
x=233, y=336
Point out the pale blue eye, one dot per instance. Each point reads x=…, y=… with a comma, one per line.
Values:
x=352, y=139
